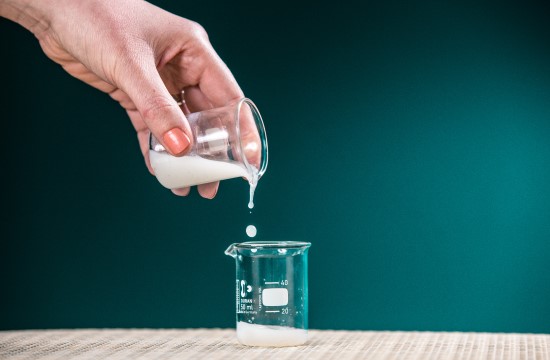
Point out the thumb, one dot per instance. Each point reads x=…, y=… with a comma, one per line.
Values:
x=158, y=109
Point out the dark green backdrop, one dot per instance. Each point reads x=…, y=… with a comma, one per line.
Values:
x=409, y=142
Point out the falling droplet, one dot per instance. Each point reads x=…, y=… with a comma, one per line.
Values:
x=251, y=231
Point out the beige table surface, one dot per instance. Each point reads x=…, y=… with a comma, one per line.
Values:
x=222, y=344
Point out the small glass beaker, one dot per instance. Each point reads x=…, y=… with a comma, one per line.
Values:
x=271, y=292
x=228, y=142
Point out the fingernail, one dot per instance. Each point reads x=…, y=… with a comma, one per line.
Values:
x=215, y=192
x=176, y=141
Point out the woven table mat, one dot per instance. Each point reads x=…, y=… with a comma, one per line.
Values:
x=222, y=344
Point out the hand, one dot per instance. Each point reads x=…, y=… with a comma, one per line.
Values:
x=139, y=54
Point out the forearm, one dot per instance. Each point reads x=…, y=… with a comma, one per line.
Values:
x=31, y=14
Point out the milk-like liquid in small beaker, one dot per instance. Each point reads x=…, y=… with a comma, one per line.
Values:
x=179, y=172
x=276, y=336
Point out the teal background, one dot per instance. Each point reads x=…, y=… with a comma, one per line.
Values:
x=409, y=142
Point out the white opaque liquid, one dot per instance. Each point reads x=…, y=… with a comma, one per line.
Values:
x=275, y=336
x=251, y=231
x=179, y=172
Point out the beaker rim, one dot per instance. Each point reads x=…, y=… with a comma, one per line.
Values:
x=261, y=132
x=273, y=244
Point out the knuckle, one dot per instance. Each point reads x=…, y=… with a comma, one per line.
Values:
x=197, y=31
x=156, y=108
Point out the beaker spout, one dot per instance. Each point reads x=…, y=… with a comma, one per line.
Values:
x=232, y=251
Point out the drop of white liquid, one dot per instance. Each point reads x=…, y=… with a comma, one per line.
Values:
x=251, y=231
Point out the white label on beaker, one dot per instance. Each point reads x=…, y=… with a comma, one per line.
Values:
x=215, y=138
x=275, y=297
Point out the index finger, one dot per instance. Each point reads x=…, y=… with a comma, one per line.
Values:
x=218, y=85
x=217, y=82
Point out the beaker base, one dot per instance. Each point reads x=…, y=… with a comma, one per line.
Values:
x=272, y=336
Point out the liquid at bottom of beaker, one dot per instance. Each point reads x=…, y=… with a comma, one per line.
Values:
x=273, y=336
